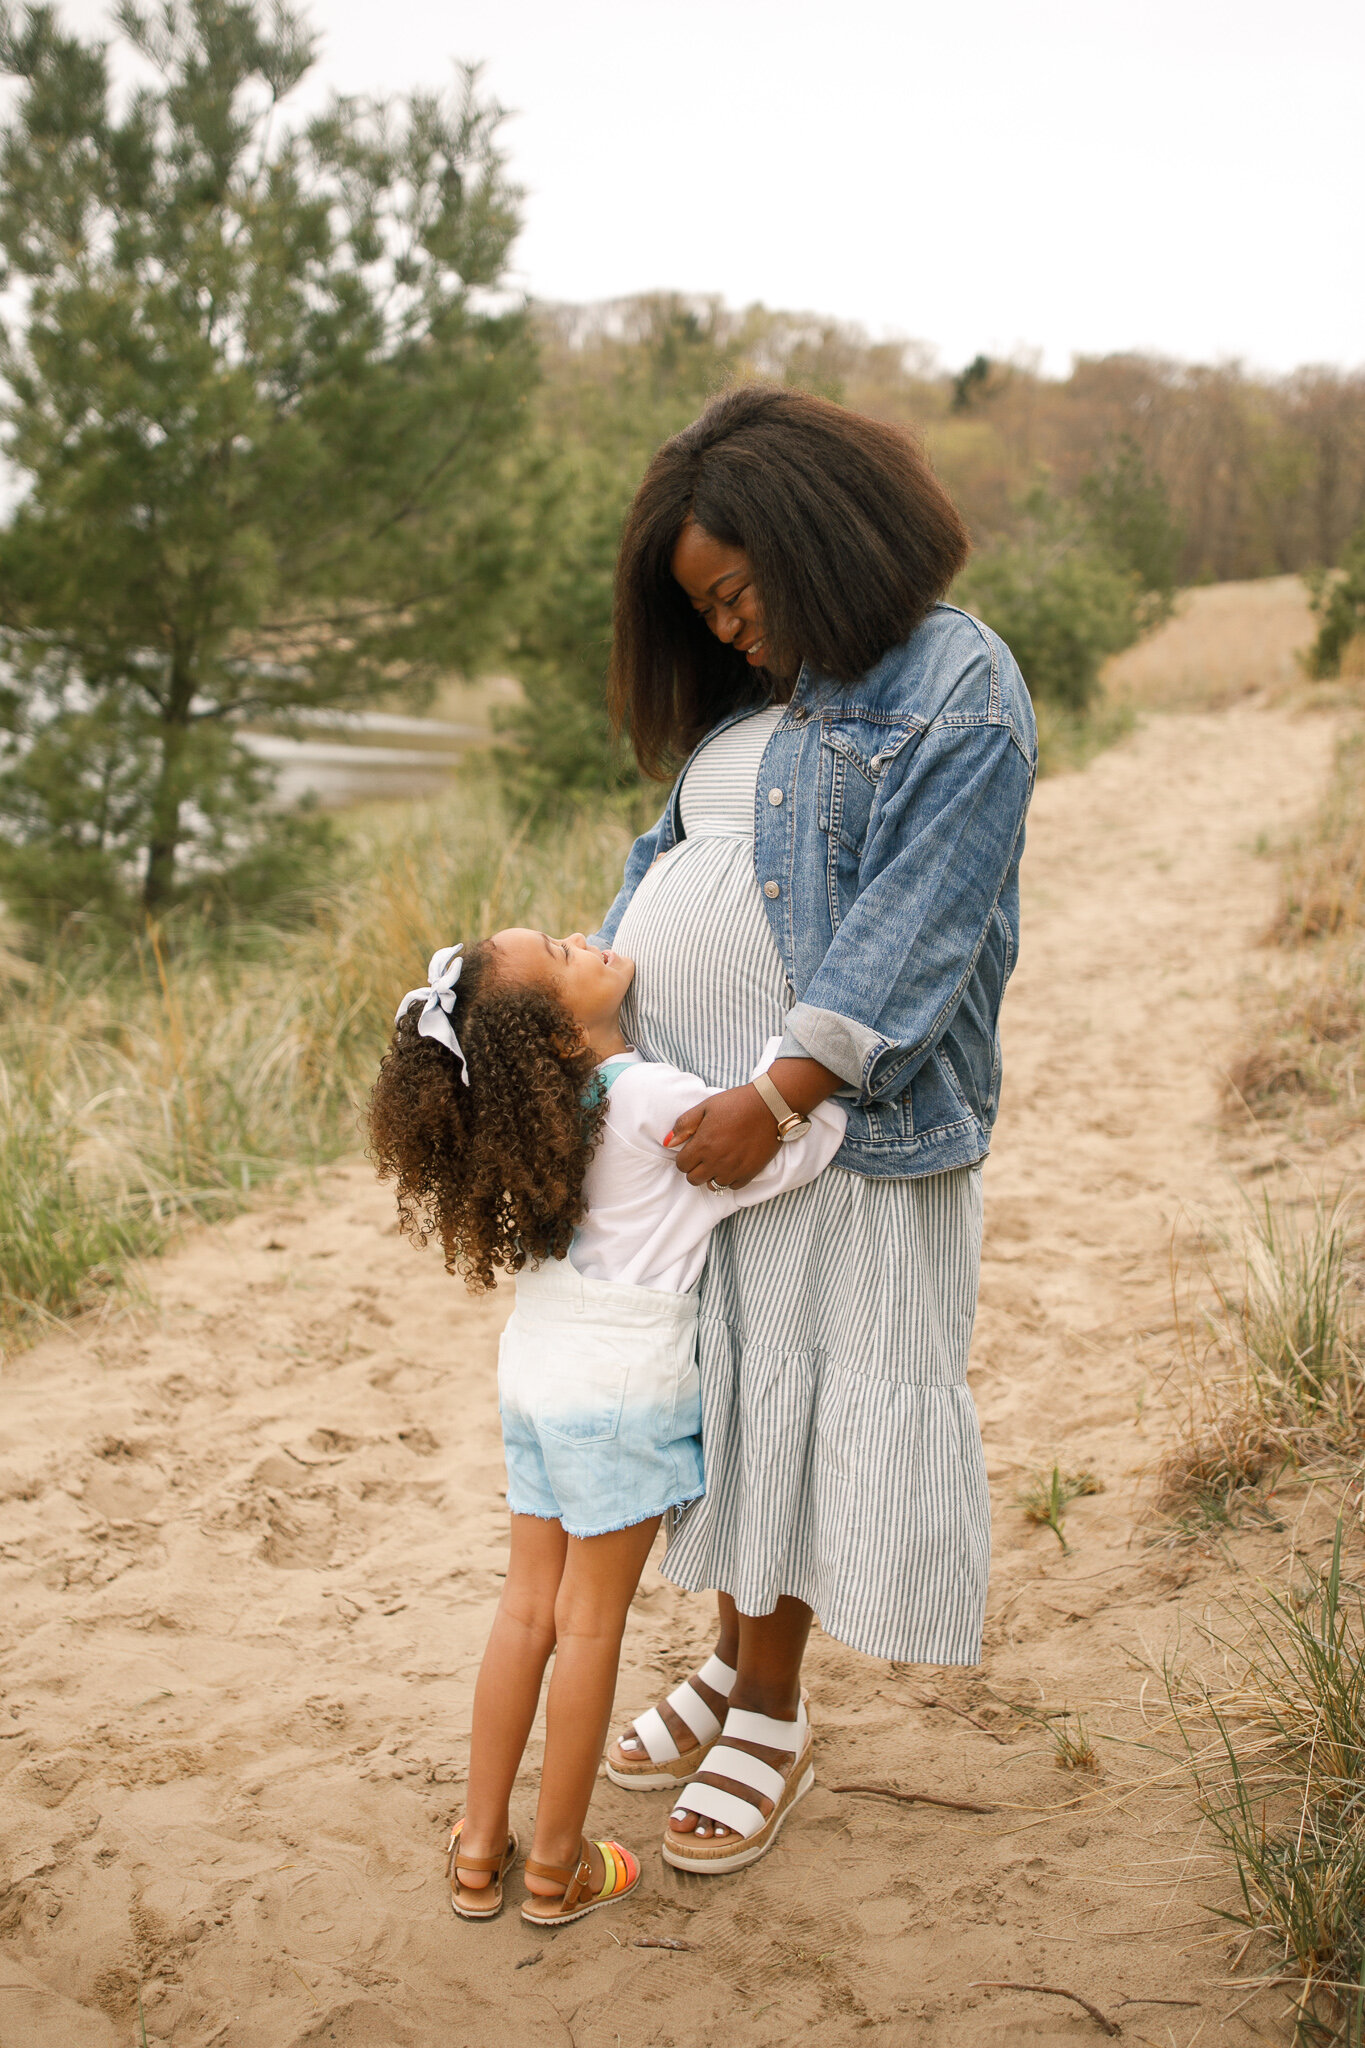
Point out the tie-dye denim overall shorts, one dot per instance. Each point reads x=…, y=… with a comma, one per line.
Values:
x=600, y=1401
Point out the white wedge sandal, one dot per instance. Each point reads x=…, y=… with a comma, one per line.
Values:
x=664, y=1766
x=756, y=1830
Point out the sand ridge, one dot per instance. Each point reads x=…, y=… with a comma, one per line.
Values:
x=251, y=1537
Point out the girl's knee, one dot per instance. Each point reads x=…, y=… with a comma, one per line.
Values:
x=531, y=1611
x=579, y=1612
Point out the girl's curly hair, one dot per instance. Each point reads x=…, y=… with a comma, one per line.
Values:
x=495, y=1169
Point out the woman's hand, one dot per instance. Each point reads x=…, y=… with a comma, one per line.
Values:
x=728, y=1138
x=732, y=1136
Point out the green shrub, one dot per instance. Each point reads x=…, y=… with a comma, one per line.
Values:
x=1339, y=601
x=1060, y=599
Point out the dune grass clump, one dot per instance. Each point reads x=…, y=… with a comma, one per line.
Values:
x=1281, y=1376
x=1309, y=1044
x=1324, y=880
x=1283, y=1784
x=1046, y=1497
x=167, y=1080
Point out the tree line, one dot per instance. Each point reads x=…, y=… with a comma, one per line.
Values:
x=285, y=441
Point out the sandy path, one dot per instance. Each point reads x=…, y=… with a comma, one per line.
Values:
x=251, y=1539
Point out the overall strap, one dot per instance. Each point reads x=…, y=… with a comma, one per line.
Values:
x=611, y=1070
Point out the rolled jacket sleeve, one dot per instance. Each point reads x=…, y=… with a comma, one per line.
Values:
x=944, y=837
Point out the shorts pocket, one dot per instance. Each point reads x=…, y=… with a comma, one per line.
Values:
x=583, y=1405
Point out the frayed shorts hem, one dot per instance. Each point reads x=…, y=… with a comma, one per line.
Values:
x=632, y=1521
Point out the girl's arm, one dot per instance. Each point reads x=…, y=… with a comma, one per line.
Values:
x=732, y=1137
x=652, y=1099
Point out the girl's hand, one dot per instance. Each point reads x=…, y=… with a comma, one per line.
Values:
x=728, y=1138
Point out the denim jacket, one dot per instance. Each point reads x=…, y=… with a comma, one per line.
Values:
x=889, y=823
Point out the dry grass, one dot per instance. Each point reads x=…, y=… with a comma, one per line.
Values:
x=1226, y=641
x=1282, y=1781
x=1274, y=1371
x=1324, y=883
x=1308, y=1045
x=170, y=1082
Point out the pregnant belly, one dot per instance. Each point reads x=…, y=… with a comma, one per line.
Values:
x=709, y=986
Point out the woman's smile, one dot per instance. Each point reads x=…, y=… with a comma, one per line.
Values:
x=719, y=580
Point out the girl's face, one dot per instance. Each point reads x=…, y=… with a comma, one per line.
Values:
x=721, y=585
x=590, y=981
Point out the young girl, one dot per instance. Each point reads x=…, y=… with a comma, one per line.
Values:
x=525, y=1133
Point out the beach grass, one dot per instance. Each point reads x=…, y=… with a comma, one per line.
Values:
x=1282, y=1783
x=1273, y=1366
x=168, y=1079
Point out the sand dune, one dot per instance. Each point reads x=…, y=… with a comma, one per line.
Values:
x=252, y=1534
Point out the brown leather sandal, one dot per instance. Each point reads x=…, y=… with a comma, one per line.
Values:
x=485, y=1901
x=620, y=1875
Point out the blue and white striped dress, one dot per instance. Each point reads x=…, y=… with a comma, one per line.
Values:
x=842, y=1449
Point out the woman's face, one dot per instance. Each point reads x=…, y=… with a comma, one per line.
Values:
x=721, y=585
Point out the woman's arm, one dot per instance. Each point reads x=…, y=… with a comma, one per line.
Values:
x=949, y=827
x=732, y=1136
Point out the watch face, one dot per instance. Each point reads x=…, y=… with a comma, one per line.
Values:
x=796, y=1130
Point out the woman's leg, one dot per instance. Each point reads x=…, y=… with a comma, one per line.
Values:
x=768, y=1657
x=508, y=1689
x=727, y=1650
x=596, y=1589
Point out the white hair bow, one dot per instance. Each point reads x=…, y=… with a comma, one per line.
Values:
x=438, y=1003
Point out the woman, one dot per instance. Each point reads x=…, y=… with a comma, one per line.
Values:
x=838, y=862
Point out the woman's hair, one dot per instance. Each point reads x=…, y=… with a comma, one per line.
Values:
x=851, y=538
x=495, y=1170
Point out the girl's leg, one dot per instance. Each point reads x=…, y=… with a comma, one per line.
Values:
x=595, y=1592
x=508, y=1689
x=768, y=1665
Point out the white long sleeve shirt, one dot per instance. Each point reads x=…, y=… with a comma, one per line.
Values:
x=646, y=1223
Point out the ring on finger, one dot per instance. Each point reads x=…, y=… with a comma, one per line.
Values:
x=718, y=1187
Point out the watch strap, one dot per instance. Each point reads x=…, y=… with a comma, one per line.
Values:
x=780, y=1108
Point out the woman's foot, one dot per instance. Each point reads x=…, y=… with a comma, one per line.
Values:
x=667, y=1744
x=731, y=1812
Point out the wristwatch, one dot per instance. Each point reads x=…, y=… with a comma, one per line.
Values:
x=790, y=1122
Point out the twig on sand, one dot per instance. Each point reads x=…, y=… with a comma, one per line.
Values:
x=915, y=1798
x=658, y=1941
x=558, y=2015
x=1111, y=2027
x=929, y=1700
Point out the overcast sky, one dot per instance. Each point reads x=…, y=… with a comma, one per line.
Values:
x=1070, y=176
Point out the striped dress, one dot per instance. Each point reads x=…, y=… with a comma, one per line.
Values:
x=842, y=1449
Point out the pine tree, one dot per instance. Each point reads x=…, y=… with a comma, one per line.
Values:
x=266, y=403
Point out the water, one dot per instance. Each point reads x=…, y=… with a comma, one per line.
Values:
x=342, y=769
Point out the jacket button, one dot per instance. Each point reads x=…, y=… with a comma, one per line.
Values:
x=774, y=796
x=799, y=714
x=771, y=889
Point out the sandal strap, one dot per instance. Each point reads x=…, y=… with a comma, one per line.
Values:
x=463, y=1862
x=656, y=1737
x=761, y=1728
x=717, y=1804
x=724, y=1762
x=660, y=1744
x=558, y=1873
